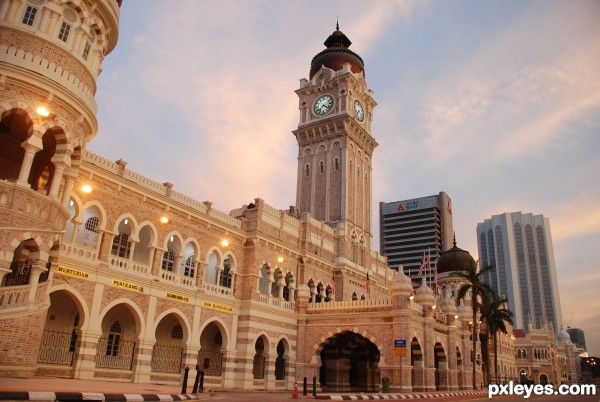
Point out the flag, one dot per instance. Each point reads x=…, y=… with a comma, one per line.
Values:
x=332, y=283
x=368, y=285
x=422, y=266
x=435, y=272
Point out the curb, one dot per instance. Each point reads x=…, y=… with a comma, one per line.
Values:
x=370, y=397
x=92, y=396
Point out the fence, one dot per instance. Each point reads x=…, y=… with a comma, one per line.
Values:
x=211, y=362
x=166, y=359
x=116, y=354
x=57, y=347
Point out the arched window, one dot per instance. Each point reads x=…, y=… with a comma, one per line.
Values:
x=280, y=362
x=189, y=267
x=177, y=332
x=168, y=262
x=91, y=225
x=114, y=338
x=322, y=167
x=121, y=245
x=225, y=275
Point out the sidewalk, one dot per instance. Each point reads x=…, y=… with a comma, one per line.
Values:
x=67, y=389
x=63, y=389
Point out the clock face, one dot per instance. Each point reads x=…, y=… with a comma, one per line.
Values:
x=359, y=111
x=323, y=105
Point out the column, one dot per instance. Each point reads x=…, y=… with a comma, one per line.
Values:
x=38, y=266
x=59, y=170
x=69, y=184
x=30, y=151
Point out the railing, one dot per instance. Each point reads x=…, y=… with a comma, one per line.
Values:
x=19, y=274
x=57, y=347
x=211, y=362
x=168, y=276
x=166, y=359
x=127, y=265
x=115, y=356
x=14, y=296
x=78, y=250
x=218, y=290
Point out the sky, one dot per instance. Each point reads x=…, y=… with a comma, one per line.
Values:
x=497, y=103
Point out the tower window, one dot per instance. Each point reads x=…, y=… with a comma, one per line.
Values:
x=29, y=15
x=322, y=166
x=307, y=170
x=337, y=164
x=86, y=50
x=65, y=29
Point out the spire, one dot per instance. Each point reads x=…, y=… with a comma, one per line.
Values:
x=337, y=24
x=454, y=242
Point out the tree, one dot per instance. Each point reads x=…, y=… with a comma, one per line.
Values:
x=479, y=290
x=496, y=316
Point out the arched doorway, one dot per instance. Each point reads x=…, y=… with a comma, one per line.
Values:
x=460, y=370
x=523, y=376
x=416, y=361
x=349, y=362
x=59, y=344
x=116, y=348
x=210, y=355
x=260, y=356
x=441, y=367
x=167, y=352
x=544, y=379
x=280, y=361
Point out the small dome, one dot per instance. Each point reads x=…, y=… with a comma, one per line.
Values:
x=564, y=337
x=401, y=283
x=336, y=55
x=455, y=259
x=424, y=295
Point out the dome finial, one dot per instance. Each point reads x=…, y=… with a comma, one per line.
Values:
x=337, y=24
x=454, y=242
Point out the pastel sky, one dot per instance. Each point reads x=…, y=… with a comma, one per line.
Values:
x=496, y=103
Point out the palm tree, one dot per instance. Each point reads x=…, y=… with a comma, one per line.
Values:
x=496, y=316
x=472, y=277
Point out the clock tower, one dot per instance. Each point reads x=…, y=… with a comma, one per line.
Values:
x=335, y=145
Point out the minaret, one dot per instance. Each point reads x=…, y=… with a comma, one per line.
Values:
x=52, y=52
x=335, y=145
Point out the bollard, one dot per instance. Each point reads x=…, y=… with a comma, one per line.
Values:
x=314, y=386
x=185, y=377
x=305, y=386
x=202, y=381
x=195, y=389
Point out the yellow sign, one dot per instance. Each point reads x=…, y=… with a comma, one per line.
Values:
x=71, y=272
x=219, y=307
x=177, y=297
x=399, y=352
x=128, y=286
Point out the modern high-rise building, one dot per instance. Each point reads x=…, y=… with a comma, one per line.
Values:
x=577, y=337
x=519, y=246
x=410, y=228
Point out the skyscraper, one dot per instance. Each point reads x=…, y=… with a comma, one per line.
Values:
x=577, y=337
x=519, y=246
x=411, y=228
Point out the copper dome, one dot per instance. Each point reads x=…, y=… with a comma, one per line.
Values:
x=336, y=55
x=455, y=259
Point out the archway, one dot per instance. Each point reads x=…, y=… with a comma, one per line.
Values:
x=460, y=369
x=167, y=352
x=260, y=356
x=544, y=379
x=416, y=361
x=59, y=339
x=349, y=362
x=280, y=361
x=523, y=376
x=210, y=355
x=116, y=347
x=441, y=367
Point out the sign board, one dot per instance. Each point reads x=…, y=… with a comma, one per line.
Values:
x=410, y=205
x=399, y=347
x=398, y=352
